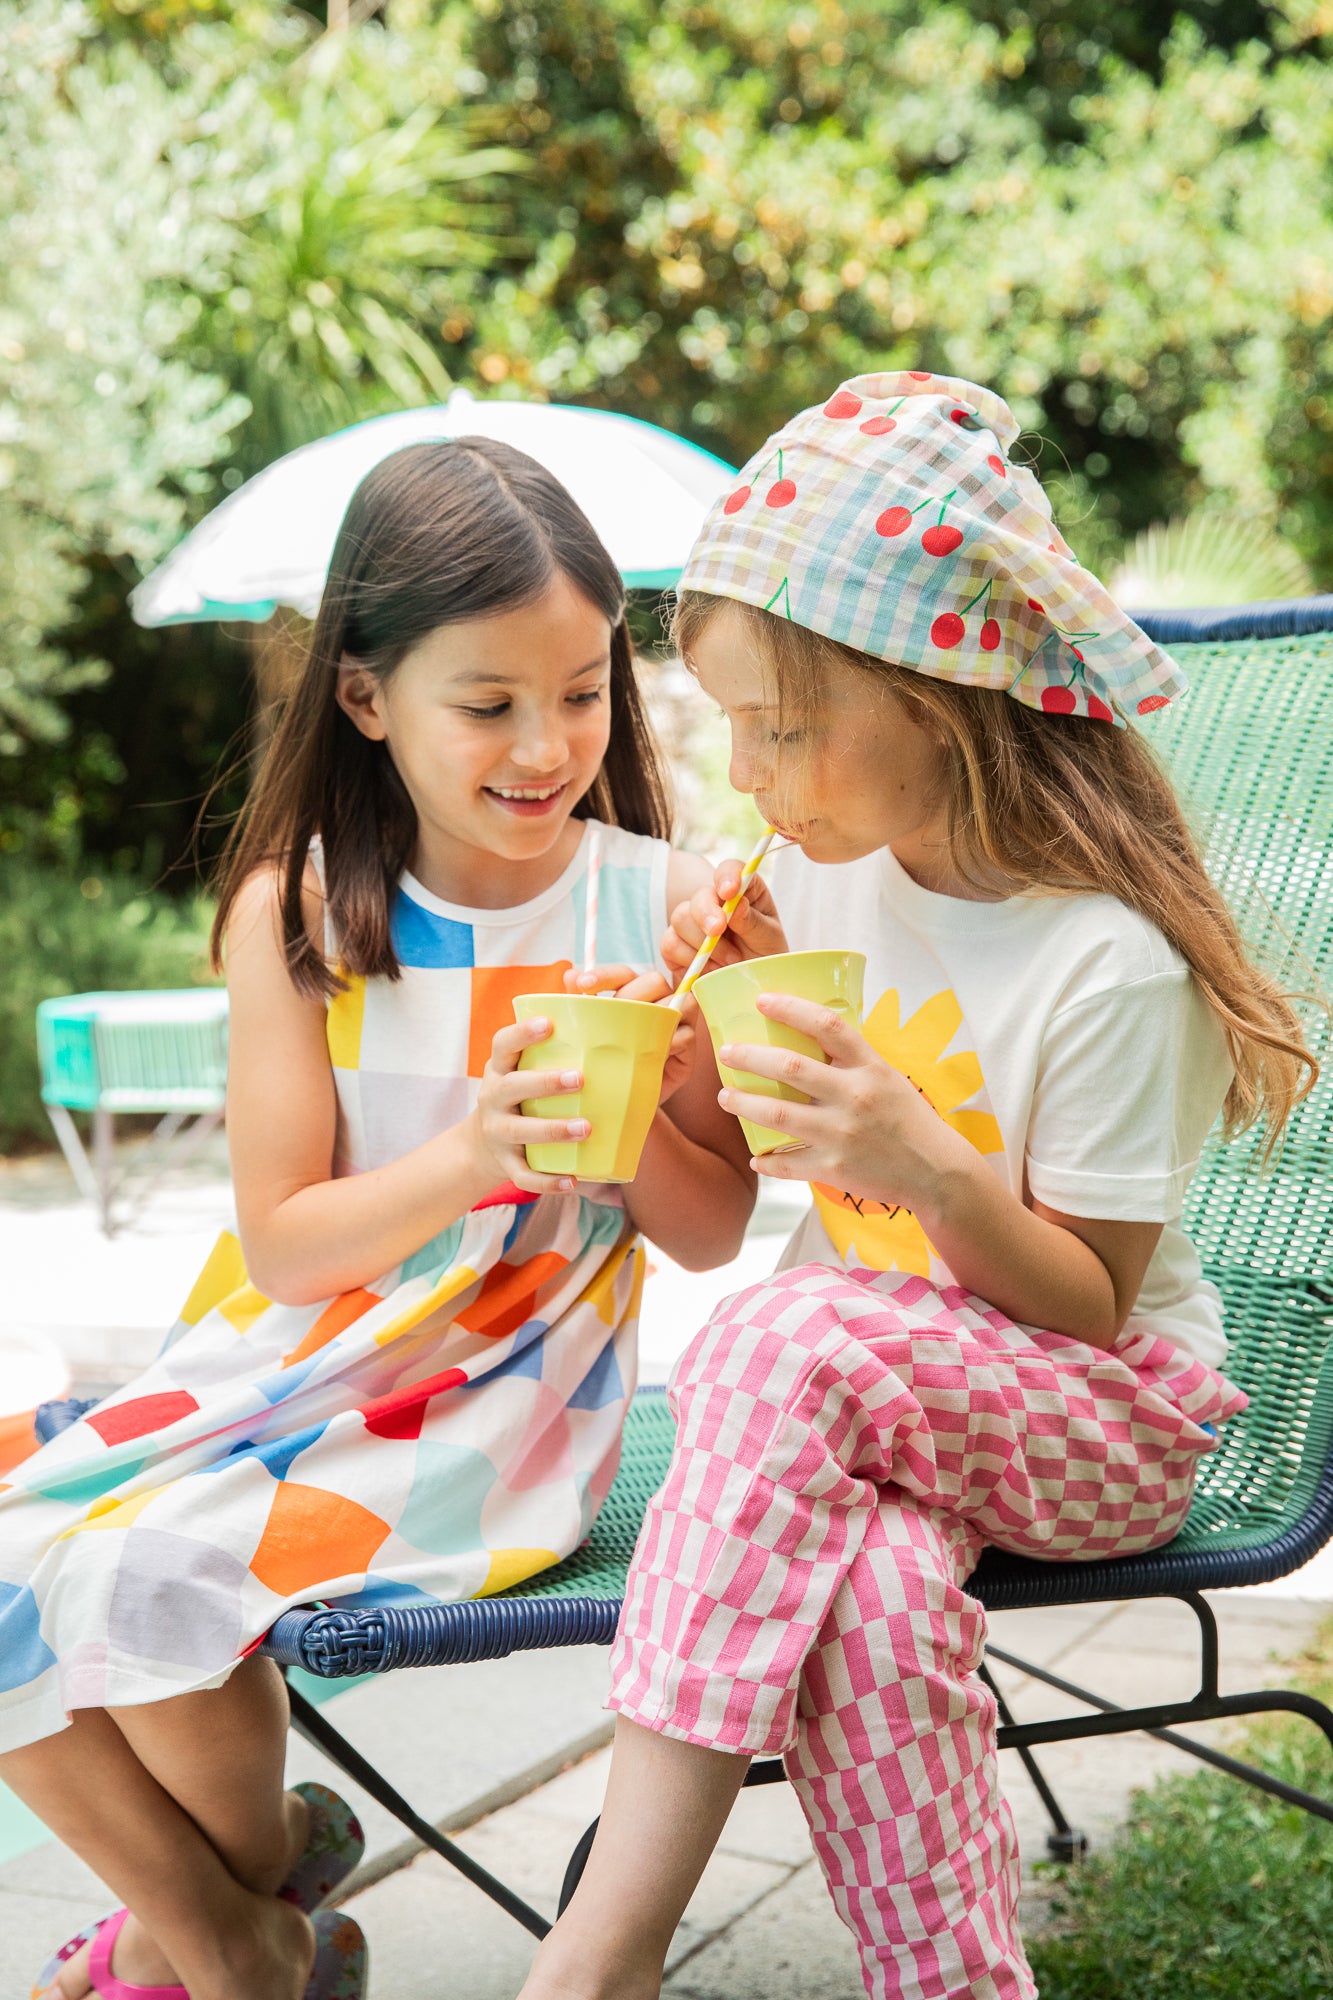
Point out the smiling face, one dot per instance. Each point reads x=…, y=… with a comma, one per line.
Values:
x=852, y=774
x=497, y=727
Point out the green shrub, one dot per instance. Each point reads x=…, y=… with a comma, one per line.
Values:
x=1212, y=1891
x=62, y=935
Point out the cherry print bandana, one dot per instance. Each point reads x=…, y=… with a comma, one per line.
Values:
x=891, y=519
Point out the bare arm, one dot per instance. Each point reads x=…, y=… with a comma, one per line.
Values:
x=1063, y=1272
x=306, y=1235
x=694, y=1192
x=867, y=1130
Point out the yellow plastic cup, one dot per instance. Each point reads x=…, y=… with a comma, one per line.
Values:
x=727, y=999
x=621, y=1048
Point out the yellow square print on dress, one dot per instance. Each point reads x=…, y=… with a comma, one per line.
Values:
x=881, y=1237
x=345, y=1017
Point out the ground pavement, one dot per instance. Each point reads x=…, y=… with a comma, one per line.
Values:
x=513, y=1751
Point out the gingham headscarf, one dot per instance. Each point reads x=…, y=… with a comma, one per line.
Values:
x=891, y=519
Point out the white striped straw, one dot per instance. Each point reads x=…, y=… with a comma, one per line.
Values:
x=729, y=909
x=590, y=895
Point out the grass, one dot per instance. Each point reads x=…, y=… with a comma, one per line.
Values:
x=1212, y=1891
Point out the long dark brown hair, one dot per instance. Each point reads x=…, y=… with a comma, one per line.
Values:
x=436, y=533
x=1051, y=806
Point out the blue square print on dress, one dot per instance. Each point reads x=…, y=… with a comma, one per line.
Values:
x=422, y=938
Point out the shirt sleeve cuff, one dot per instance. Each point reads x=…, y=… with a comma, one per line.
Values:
x=1111, y=1197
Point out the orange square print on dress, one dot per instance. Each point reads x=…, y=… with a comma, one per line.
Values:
x=494, y=990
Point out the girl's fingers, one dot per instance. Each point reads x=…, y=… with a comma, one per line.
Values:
x=522, y=1131
x=839, y=1041
x=687, y=927
x=522, y=1176
x=521, y=1083
x=805, y=1073
x=648, y=987
x=601, y=979
x=798, y=1122
x=509, y=1043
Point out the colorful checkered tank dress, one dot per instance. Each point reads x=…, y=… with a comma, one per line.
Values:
x=441, y=1433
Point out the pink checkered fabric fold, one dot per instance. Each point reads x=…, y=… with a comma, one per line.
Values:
x=894, y=519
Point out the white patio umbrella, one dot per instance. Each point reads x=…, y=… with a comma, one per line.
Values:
x=645, y=491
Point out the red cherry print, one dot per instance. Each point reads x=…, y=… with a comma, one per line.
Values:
x=997, y=466
x=1034, y=606
x=878, y=427
x=735, y=501
x=947, y=631
x=959, y=416
x=918, y=375
x=1077, y=655
x=843, y=404
x=1098, y=710
x=941, y=541
x=1059, y=701
x=990, y=636
x=892, y=521
x=1153, y=701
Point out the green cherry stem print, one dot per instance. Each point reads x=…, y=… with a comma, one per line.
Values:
x=1063, y=700
x=880, y=426
x=736, y=499
x=895, y=520
x=948, y=629
x=783, y=591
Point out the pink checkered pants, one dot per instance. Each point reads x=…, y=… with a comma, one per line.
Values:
x=848, y=1443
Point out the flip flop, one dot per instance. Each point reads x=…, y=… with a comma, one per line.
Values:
x=341, y=1959
x=339, y=1971
x=102, y=1936
x=332, y=1850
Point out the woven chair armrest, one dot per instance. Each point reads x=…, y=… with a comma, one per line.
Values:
x=334, y=1644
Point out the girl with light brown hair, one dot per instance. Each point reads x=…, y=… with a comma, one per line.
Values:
x=991, y=1327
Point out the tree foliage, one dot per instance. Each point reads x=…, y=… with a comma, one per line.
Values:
x=1128, y=231
x=105, y=425
x=703, y=212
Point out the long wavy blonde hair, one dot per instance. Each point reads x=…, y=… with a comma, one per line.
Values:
x=1055, y=806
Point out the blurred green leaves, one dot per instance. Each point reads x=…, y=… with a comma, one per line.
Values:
x=105, y=426
x=362, y=200
x=219, y=237
x=702, y=212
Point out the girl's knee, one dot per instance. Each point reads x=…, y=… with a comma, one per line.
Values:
x=769, y=1334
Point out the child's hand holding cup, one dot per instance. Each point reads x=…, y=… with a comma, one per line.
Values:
x=727, y=997
x=620, y=1047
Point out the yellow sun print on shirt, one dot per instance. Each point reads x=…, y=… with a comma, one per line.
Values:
x=870, y=1232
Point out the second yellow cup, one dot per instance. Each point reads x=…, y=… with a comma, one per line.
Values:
x=621, y=1048
x=727, y=999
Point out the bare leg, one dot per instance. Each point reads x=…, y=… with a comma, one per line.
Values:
x=201, y=1927
x=256, y=1827
x=666, y=1805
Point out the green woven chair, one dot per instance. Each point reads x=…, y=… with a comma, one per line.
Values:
x=1252, y=751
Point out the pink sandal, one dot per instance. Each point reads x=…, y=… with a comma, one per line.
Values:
x=339, y=1971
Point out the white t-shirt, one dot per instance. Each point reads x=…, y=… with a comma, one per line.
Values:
x=1062, y=1035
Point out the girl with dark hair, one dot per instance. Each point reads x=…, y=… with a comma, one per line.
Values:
x=404, y=1379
